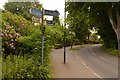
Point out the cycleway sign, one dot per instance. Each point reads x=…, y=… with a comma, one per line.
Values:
x=49, y=22
x=36, y=12
x=41, y=14
x=46, y=12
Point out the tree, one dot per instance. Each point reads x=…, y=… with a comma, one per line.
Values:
x=104, y=12
x=56, y=19
x=114, y=18
x=22, y=8
x=77, y=21
x=99, y=15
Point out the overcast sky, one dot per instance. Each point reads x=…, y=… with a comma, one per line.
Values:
x=47, y=4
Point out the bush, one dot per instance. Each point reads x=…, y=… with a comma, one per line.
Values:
x=13, y=27
x=21, y=42
x=27, y=66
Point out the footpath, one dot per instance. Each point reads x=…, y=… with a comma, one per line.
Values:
x=73, y=67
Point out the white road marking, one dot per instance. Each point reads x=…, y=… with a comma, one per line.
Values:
x=88, y=67
x=104, y=59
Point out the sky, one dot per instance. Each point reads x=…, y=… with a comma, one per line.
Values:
x=54, y=5
x=47, y=4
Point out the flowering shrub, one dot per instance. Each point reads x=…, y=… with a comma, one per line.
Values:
x=9, y=39
x=14, y=27
x=21, y=46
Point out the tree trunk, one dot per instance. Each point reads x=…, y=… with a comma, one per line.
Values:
x=116, y=27
x=118, y=38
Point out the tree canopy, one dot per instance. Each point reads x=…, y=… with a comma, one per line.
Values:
x=100, y=15
x=22, y=8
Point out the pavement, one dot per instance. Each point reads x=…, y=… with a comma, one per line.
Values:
x=88, y=62
x=72, y=69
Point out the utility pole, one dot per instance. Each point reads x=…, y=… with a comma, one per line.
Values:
x=65, y=34
x=43, y=30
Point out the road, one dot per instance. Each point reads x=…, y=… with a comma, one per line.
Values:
x=88, y=62
x=100, y=63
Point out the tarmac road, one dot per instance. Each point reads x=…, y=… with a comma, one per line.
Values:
x=101, y=63
x=88, y=62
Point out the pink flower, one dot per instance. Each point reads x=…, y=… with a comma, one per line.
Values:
x=12, y=46
x=10, y=35
x=2, y=34
x=12, y=43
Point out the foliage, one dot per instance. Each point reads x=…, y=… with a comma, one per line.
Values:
x=77, y=21
x=55, y=34
x=56, y=19
x=22, y=8
x=15, y=28
x=94, y=38
x=21, y=46
x=27, y=67
x=22, y=42
x=92, y=15
x=111, y=51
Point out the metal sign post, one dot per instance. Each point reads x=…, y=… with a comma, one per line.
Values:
x=65, y=34
x=41, y=14
x=43, y=30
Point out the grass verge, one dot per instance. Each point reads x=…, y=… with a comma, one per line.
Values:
x=76, y=48
x=111, y=51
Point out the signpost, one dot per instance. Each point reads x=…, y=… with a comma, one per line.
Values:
x=43, y=30
x=41, y=14
x=51, y=13
x=48, y=22
x=36, y=12
x=37, y=20
x=65, y=34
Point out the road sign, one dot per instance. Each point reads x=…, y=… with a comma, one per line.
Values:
x=36, y=12
x=37, y=20
x=48, y=22
x=51, y=13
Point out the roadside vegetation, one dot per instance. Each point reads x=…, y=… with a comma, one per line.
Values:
x=95, y=23
x=21, y=46
x=111, y=51
x=77, y=47
x=21, y=43
x=88, y=23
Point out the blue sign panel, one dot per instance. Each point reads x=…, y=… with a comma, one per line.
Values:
x=36, y=12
